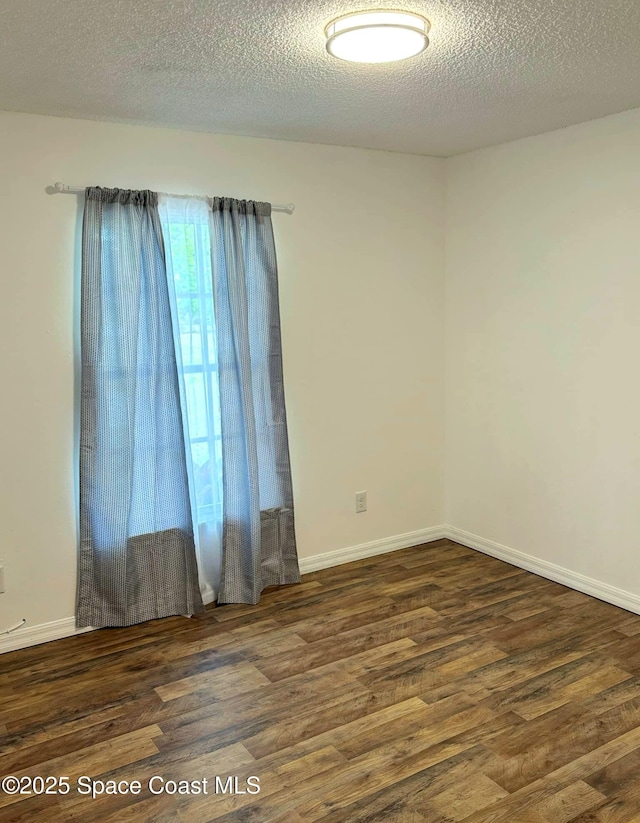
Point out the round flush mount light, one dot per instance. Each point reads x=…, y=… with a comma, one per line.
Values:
x=377, y=36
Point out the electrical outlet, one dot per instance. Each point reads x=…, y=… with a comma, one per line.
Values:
x=1, y=578
x=361, y=502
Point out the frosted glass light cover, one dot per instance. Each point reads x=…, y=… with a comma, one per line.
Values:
x=377, y=36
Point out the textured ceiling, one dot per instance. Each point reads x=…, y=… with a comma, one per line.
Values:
x=495, y=70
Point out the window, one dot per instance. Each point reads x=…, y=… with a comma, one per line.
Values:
x=185, y=225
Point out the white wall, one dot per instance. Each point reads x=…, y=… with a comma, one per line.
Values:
x=543, y=347
x=361, y=280
x=542, y=337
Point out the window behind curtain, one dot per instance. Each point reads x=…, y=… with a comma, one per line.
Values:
x=186, y=230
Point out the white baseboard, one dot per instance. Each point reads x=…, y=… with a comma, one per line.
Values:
x=374, y=547
x=57, y=629
x=589, y=585
x=41, y=633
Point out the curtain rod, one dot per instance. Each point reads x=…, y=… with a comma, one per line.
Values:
x=62, y=188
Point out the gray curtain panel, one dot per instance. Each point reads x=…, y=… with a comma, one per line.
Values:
x=137, y=557
x=259, y=545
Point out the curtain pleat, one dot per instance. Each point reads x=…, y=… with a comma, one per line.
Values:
x=137, y=556
x=259, y=545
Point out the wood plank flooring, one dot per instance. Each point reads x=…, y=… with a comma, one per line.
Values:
x=428, y=685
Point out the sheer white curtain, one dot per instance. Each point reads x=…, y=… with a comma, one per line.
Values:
x=187, y=237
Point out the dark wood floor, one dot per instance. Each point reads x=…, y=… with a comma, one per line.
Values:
x=428, y=685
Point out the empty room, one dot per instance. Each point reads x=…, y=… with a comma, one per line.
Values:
x=320, y=429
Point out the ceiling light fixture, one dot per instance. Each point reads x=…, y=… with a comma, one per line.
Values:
x=377, y=36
